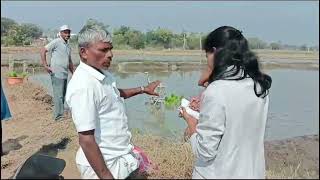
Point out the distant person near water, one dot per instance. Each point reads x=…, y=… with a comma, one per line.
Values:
x=58, y=69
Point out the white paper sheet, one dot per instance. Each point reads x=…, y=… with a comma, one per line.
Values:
x=185, y=103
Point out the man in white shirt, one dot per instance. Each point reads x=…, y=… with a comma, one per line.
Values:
x=98, y=110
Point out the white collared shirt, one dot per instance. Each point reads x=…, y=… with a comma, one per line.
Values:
x=229, y=142
x=95, y=103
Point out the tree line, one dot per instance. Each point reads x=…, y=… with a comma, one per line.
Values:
x=124, y=37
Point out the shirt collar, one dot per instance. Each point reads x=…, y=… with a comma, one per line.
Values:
x=230, y=70
x=65, y=42
x=93, y=71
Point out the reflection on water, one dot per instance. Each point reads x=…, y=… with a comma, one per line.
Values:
x=293, y=110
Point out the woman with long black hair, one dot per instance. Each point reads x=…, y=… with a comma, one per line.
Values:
x=228, y=138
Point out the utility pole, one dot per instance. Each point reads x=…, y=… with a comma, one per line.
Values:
x=200, y=41
x=184, y=41
x=200, y=48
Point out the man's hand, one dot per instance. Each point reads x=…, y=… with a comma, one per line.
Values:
x=126, y=93
x=71, y=66
x=151, y=87
x=48, y=69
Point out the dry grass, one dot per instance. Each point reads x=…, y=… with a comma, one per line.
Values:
x=291, y=172
x=175, y=160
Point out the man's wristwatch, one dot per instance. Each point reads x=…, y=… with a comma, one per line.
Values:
x=142, y=89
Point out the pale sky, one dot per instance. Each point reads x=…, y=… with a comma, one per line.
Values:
x=291, y=22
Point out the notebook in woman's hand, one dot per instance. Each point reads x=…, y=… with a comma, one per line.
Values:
x=185, y=103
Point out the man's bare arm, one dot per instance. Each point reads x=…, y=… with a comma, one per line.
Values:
x=149, y=89
x=43, y=52
x=126, y=93
x=93, y=154
x=71, y=66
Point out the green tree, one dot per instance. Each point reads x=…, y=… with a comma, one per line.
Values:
x=31, y=30
x=177, y=41
x=193, y=41
x=256, y=43
x=275, y=46
x=6, y=25
x=125, y=36
x=15, y=36
x=119, y=41
x=120, y=36
x=151, y=38
x=163, y=36
x=93, y=22
x=136, y=39
x=123, y=30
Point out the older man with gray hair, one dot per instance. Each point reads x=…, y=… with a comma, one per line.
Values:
x=98, y=110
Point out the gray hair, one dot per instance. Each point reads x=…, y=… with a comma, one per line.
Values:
x=92, y=34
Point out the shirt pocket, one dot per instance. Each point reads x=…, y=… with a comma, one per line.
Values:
x=117, y=95
x=118, y=101
x=114, y=100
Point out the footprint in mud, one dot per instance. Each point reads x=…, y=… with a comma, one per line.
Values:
x=12, y=144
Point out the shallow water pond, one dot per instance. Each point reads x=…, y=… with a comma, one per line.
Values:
x=293, y=109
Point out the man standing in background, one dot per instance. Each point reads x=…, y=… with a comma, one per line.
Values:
x=58, y=69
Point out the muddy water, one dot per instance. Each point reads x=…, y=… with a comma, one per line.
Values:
x=293, y=111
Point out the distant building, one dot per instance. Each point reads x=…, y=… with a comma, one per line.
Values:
x=41, y=41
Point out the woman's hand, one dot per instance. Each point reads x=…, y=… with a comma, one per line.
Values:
x=195, y=103
x=204, y=77
x=186, y=135
x=191, y=121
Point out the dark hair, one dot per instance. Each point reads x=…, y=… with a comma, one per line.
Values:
x=231, y=50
